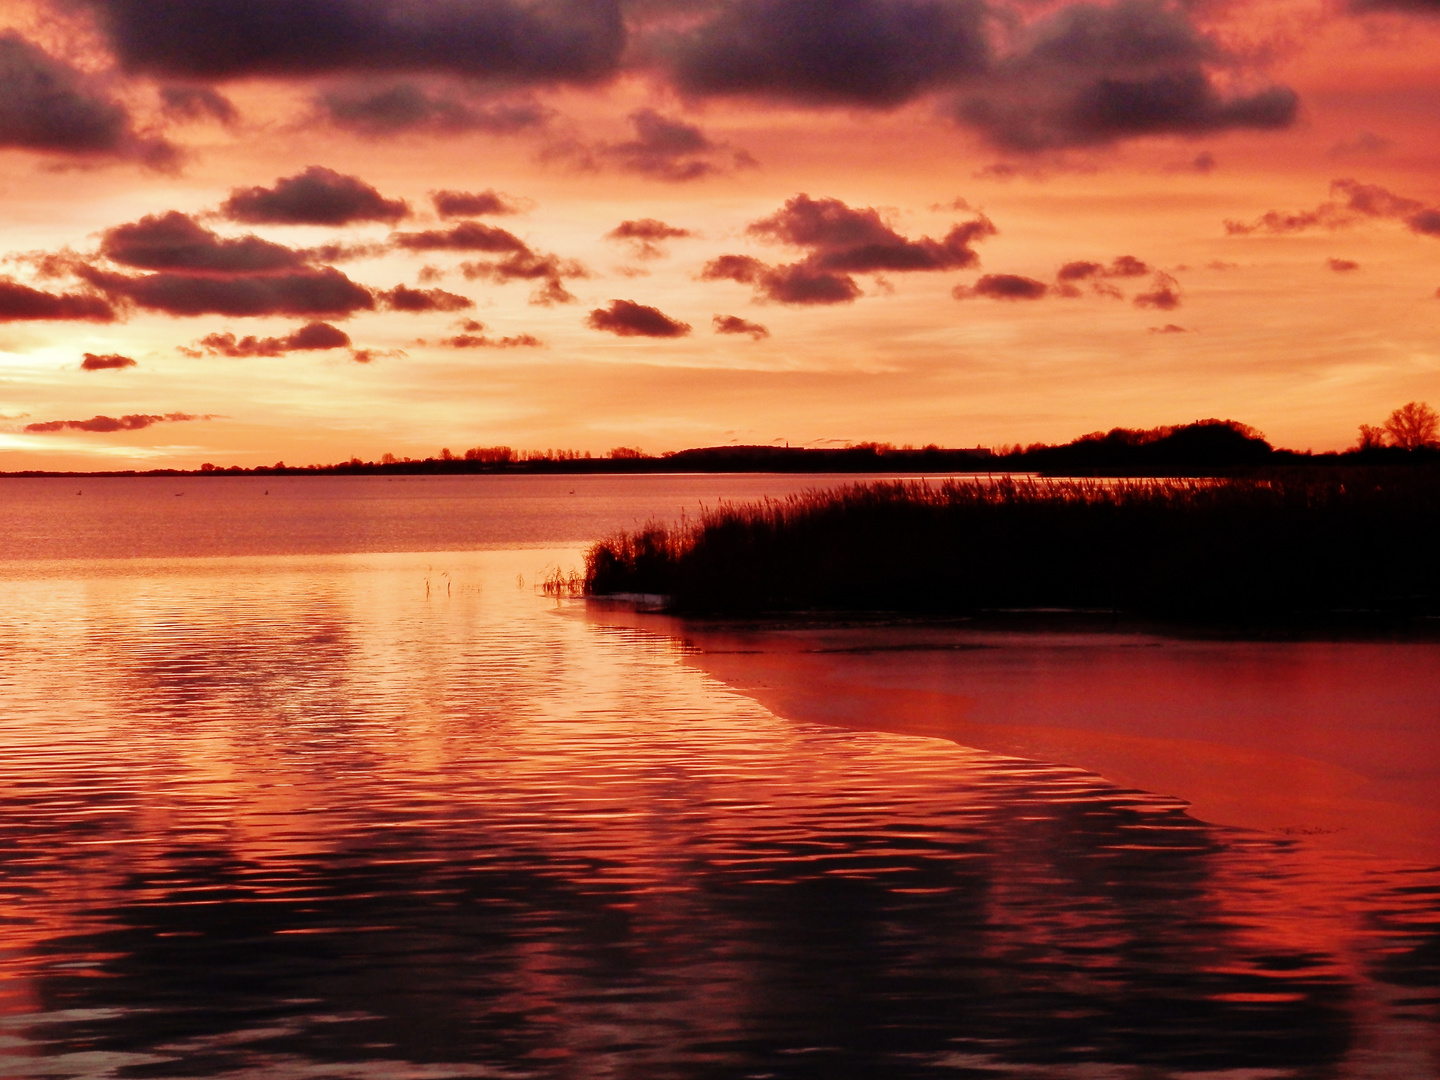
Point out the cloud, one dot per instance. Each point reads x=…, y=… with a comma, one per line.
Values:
x=313, y=336
x=405, y=107
x=515, y=42
x=192, y=103
x=646, y=235
x=1418, y=7
x=665, y=149
x=22, y=303
x=1003, y=287
x=1350, y=202
x=317, y=196
x=473, y=338
x=453, y=204
x=1164, y=293
x=175, y=241
x=733, y=324
x=131, y=422
x=50, y=107
x=1342, y=266
x=1168, y=328
x=842, y=241
x=629, y=319
x=318, y=291
x=404, y=298
x=1088, y=75
x=466, y=236
x=94, y=362
x=1365, y=144
x=873, y=53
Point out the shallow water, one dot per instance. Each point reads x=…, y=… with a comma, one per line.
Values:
x=391, y=814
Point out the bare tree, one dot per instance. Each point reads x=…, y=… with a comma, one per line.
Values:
x=1413, y=426
x=1371, y=437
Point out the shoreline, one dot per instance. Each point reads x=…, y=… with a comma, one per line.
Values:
x=1335, y=741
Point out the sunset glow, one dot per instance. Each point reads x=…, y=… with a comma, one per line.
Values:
x=243, y=232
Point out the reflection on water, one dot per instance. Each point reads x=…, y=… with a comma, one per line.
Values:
x=296, y=817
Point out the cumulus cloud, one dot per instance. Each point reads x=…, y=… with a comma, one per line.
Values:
x=176, y=241
x=1342, y=266
x=453, y=204
x=404, y=298
x=50, y=107
x=629, y=319
x=841, y=241
x=1350, y=202
x=313, y=336
x=646, y=236
x=377, y=112
x=1002, y=287
x=474, y=337
x=1164, y=293
x=539, y=42
x=313, y=291
x=130, y=422
x=317, y=196
x=105, y=362
x=734, y=324
x=21, y=303
x=1084, y=270
x=1088, y=74
x=520, y=262
x=877, y=53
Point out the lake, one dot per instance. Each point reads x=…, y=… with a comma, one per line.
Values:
x=301, y=777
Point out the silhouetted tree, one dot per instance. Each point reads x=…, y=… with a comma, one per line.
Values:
x=1413, y=426
x=1371, y=437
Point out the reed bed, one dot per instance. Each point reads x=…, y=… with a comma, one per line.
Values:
x=1267, y=548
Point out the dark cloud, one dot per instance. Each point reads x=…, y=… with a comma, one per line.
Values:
x=22, y=303
x=51, y=107
x=175, y=241
x=665, y=149
x=876, y=53
x=314, y=336
x=105, y=362
x=1350, y=202
x=474, y=340
x=131, y=422
x=1342, y=266
x=197, y=103
x=405, y=107
x=315, y=292
x=1419, y=7
x=404, y=298
x=842, y=241
x=466, y=236
x=734, y=324
x=1121, y=266
x=629, y=319
x=646, y=236
x=537, y=42
x=1002, y=287
x=1164, y=293
x=453, y=204
x=1088, y=75
x=317, y=196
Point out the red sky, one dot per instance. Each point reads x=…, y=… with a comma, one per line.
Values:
x=243, y=231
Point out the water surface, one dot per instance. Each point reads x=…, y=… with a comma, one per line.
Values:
x=367, y=806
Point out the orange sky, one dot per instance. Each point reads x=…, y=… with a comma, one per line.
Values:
x=827, y=148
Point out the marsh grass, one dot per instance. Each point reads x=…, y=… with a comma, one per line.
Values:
x=1286, y=545
x=560, y=584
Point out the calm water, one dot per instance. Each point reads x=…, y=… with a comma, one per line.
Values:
x=312, y=784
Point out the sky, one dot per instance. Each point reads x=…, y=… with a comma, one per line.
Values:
x=252, y=231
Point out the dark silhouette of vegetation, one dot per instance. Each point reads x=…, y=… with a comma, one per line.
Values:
x=1296, y=544
x=1202, y=448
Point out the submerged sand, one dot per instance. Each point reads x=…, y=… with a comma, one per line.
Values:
x=1337, y=742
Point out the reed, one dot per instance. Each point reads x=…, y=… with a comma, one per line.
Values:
x=1281, y=546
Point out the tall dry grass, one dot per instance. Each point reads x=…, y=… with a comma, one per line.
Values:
x=1286, y=545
